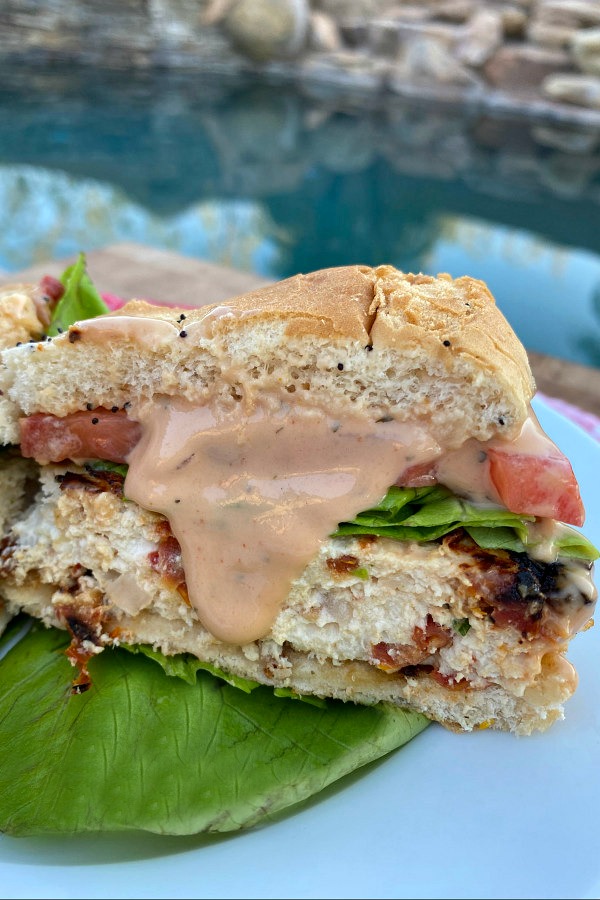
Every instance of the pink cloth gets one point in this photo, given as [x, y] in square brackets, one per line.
[114, 302]
[586, 420]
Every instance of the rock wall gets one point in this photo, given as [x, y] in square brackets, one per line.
[537, 57]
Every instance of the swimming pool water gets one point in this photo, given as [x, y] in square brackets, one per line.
[277, 180]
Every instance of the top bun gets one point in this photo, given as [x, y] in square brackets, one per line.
[435, 351]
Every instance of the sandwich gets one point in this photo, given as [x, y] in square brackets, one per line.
[334, 486]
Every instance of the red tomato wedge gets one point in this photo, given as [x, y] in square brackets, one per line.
[97, 434]
[420, 475]
[52, 288]
[542, 486]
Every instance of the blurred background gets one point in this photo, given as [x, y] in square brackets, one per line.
[278, 137]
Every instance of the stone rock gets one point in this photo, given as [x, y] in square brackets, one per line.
[357, 72]
[553, 14]
[354, 31]
[433, 49]
[384, 37]
[514, 20]
[443, 32]
[570, 12]
[482, 35]
[268, 29]
[412, 12]
[583, 90]
[543, 35]
[585, 47]
[214, 11]
[453, 10]
[430, 60]
[323, 33]
[523, 68]
[352, 8]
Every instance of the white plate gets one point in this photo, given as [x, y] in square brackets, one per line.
[482, 815]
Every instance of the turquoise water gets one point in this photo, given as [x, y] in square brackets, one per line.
[276, 181]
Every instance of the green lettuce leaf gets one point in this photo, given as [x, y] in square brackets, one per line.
[139, 751]
[496, 538]
[428, 513]
[572, 543]
[80, 300]
[186, 666]
[103, 465]
[292, 695]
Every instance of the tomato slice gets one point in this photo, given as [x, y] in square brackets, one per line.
[537, 485]
[52, 288]
[97, 434]
[419, 475]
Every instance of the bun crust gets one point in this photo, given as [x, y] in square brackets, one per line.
[330, 303]
[444, 315]
[385, 308]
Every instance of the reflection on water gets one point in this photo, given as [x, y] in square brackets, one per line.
[273, 180]
[50, 214]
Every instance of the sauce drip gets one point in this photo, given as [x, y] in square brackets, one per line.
[250, 497]
[145, 331]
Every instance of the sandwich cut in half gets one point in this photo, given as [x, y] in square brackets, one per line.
[333, 485]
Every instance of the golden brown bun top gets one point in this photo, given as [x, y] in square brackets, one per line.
[445, 315]
[329, 303]
[384, 307]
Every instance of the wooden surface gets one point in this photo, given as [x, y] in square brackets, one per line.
[132, 270]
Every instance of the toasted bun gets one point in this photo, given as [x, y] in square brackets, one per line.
[431, 350]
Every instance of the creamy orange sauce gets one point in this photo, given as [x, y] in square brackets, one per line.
[149, 333]
[251, 497]
[465, 470]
